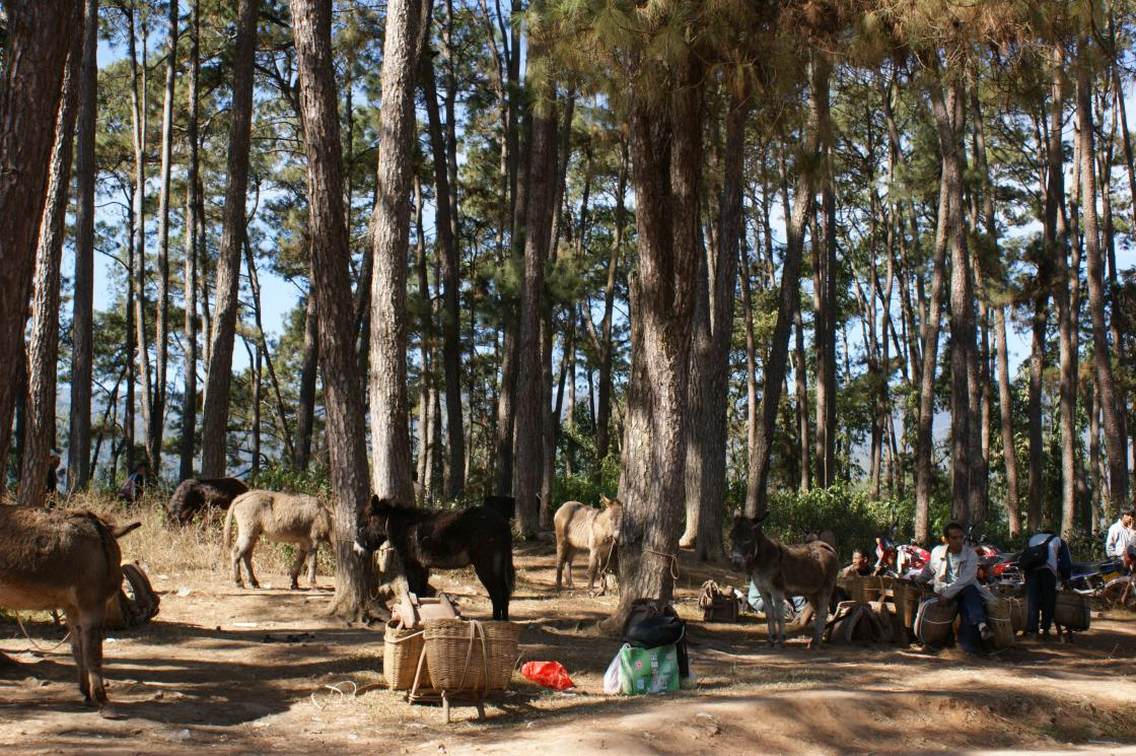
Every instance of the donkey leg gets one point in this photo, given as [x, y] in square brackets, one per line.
[820, 609]
[92, 632]
[770, 617]
[593, 568]
[235, 555]
[491, 573]
[246, 557]
[779, 603]
[312, 553]
[74, 628]
[297, 565]
[561, 559]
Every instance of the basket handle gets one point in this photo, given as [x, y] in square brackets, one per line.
[415, 634]
[418, 671]
[476, 631]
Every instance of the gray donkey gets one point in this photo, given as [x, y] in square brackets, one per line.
[807, 570]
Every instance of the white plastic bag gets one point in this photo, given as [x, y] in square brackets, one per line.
[612, 685]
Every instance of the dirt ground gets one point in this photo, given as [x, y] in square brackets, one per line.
[228, 669]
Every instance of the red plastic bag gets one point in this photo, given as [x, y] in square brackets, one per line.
[550, 674]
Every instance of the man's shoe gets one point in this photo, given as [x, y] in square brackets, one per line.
[985, 632]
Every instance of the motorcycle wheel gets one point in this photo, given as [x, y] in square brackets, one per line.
[1120, 593]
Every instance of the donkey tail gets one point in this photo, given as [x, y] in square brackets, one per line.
[226, 531]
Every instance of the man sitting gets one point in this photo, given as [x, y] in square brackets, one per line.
[1120, 535]
[859, 566]
[954, 569]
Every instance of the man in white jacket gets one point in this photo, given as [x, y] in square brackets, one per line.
[954, 569]
[1120, 536]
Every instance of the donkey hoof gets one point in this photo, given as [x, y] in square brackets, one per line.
[106, 711]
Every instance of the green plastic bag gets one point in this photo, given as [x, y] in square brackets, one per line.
[648, 670]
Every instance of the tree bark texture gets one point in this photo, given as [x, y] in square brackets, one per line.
[1117, 454]
[451, 289]
[392, 474]
[162, 326]
[666, 158]
[43, 347]
[710, 357]
[192, 237]
[306, 411]
[218, 378]
[331, 255]
[139, 102]
[38, 41]
[82, 318]
[531, 411]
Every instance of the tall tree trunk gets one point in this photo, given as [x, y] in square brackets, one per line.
[192, 237]
[825, 274]
[390, 430]
[602, 413]
[1005, 402]
[218, 378]
[510, 349]
[531, 410]
[331, 255]
[38, 41]
[789, 301]
[715, 430]
[43, 348]
[924, 469]
[82, 319]
[451, 290]
[710, 355]
[306, 411]
[1110, 406]
[965, 438]
[162, 328]
[139, 109]
[427, 393]
[666, 152]
[1056, 248]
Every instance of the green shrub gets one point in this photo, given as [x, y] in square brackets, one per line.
[281, 477]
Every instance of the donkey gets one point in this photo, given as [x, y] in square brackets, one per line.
[477, 536]
[69, 561]
[579, 528]
[195, 495]
[807, 570]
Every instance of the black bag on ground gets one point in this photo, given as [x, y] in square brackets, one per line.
[650, 625]
[1035, 556]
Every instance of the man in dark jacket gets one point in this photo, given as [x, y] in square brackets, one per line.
[1041, 580]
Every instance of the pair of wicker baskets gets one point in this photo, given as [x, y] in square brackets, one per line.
[451, 655]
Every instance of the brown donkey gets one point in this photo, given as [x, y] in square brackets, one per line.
[807, 570]
[69, 561]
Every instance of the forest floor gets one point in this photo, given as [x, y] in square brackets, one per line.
[223, 668]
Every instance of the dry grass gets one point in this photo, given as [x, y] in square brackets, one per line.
[166, 548]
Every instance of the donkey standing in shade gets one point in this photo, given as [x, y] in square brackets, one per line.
[807, 570]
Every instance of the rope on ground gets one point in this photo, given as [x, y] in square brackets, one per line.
[36, 646]
[673, 560]
[336, 688]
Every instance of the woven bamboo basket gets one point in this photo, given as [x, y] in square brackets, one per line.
[854, 586]
[907, 596]
[999, 616]
[469, 655]
[402, 648]
[1072, 611]
[1017, 613]
[934, 621]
